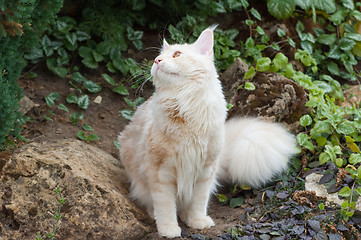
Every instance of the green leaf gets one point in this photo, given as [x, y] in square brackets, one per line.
[108, 79]
[338, 17]
[71, 98]
[249, 86]
[281, 9]
[81, 135]
[345, 192]
[355, 158]
[82, 36]
[92, 86]
[236, 202]
[75, 117]
[280, 61]
[321, 126]
[305, 120]
[90, 63]
[51, 98]
[289, 72]
[34, 55]
[345, 128]
[256, 14]
[305, 141]
[346, 44]
[63, 107]
[324, 158]
[328, 6]
[327, 39]
[249, 22]
[356, 14]
[332, 67]
[121, 90]
[85, 52]
[71, 38]
[339, 162]
[78, 77]
[87, 127]
[263, 64]
[83, 102]
[92, 137]
[222, 198]
[97, 56]
[127, 114]
[250, 73]
[348, 4]
[281, 32]
[353, 36]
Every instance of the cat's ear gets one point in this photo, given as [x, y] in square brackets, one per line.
[204, 43]
[165, 45]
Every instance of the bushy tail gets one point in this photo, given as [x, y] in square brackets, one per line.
[255, 151]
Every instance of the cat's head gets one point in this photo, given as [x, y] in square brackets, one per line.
[180, 64]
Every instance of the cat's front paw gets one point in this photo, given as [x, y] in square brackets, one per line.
[201, 222]
[169, 230]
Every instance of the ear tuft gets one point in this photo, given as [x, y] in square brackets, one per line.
[165, 45]
[204, 43]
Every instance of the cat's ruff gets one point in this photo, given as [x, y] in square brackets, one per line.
[178, 141]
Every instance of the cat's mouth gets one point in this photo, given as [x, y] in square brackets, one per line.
[162, 71]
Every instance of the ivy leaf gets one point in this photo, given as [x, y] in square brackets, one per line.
[345, 192]
[305, 120]
[346, 44]
[355, 158]
[81, 135]
[324, 158]
[353, 36]
[305, 141]
[263, 64]
[63, 107]
[250, 73]
[71, 98]
[348, 4]
[222, 198]
[83, 102]
[87, 127]
[328, 6]
[121, 90]
[281, 32]
[345, 128]
[92, 86]
[281, 9]
[108, 79]
[51, 98]
[236, 202]
[280, 61]
[332, 67]
[249, 86]
[127, 114]
[78, 77]
[327, 39]
[256, 14]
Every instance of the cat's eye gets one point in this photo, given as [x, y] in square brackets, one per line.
[177, 54]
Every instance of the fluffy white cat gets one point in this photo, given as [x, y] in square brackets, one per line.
[178, 142]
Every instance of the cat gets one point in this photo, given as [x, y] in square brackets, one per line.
[178, 141]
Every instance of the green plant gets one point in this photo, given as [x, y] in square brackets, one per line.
[87, 137]
[57, 216]
[21, 26]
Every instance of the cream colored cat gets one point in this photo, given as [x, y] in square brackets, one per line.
[178, 140]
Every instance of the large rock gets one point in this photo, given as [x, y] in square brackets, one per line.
[275, 97]
[93, 184]
[312, 184]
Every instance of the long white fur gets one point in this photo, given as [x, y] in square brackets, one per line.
[246, 151]
[254, 151]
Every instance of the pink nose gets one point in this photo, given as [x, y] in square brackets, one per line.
[158, 60]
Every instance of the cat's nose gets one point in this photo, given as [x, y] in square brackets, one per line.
[158, 60]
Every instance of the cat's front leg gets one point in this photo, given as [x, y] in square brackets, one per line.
[195, 216]
[165, 212]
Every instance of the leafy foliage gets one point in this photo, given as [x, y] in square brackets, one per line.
[21, 25]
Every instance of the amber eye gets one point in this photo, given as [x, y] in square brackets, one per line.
[177, 54]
